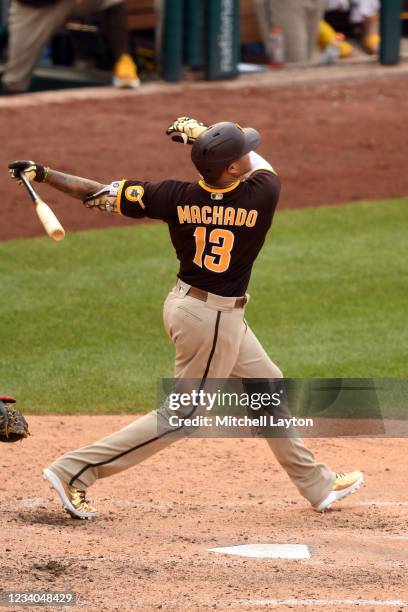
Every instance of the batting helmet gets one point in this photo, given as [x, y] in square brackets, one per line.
[220, 145]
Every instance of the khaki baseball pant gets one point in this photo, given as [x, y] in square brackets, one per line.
[31, 28]
[212, 340]
[299, 20]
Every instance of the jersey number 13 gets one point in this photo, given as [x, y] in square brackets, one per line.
[219, 258]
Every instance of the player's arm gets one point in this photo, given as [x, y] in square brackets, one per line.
[93, 194]
[136, 199]
[264, 184]
[258, 163]
[155, 200]
[132, 198]
[75, 186]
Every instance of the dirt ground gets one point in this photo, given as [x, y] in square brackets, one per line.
[148, 548]
[331, 143]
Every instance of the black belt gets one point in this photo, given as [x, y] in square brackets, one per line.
[199, 294]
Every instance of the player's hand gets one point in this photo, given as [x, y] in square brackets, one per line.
[186, 130]
[32, 170]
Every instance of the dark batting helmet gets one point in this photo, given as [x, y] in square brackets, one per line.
[219, 146]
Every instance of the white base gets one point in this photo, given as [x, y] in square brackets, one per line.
[267, 551]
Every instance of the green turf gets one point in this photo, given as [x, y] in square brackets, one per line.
[81, 321]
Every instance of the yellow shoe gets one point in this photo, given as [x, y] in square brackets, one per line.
[343, 485]
[75, 502]
[326, 35]
[371, 44]
[346, 49]
[125, 73]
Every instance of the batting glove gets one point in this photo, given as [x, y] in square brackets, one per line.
[186, 130]
[105, 198]
[32, 170]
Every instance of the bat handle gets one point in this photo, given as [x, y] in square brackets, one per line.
[27, 183]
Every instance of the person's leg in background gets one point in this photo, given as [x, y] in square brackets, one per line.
[30, 29]
[314, 13]
[115, 32]
[327, 36]
[159, 6]
[114, 28]
[264, 21]
[366, 13]
[289, 16]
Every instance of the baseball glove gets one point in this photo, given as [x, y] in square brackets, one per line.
[186, 130]
[13, 426]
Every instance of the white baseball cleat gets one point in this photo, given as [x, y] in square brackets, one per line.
[344, 484]
[75, 502]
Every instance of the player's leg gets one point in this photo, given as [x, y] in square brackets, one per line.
[207, 342]
[30, 29]
[207, 335]
[313, 480]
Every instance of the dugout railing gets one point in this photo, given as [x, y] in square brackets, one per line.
[208, 34]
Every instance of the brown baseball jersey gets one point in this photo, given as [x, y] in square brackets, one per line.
[217, 233]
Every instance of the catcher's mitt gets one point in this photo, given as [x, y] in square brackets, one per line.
[13, 426]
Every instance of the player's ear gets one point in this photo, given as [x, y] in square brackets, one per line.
[234, 169]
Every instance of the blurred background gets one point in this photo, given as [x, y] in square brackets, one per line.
[53, 44]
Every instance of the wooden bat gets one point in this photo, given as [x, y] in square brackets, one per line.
[50, 222]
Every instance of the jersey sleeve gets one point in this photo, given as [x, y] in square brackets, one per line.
[264, 189]
[140, 199]
[258, 163]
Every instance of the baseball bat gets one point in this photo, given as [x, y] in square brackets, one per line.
[49, 221]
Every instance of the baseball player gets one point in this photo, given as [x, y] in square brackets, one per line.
[217, 225]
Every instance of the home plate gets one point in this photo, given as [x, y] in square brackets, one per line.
[267, 551]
